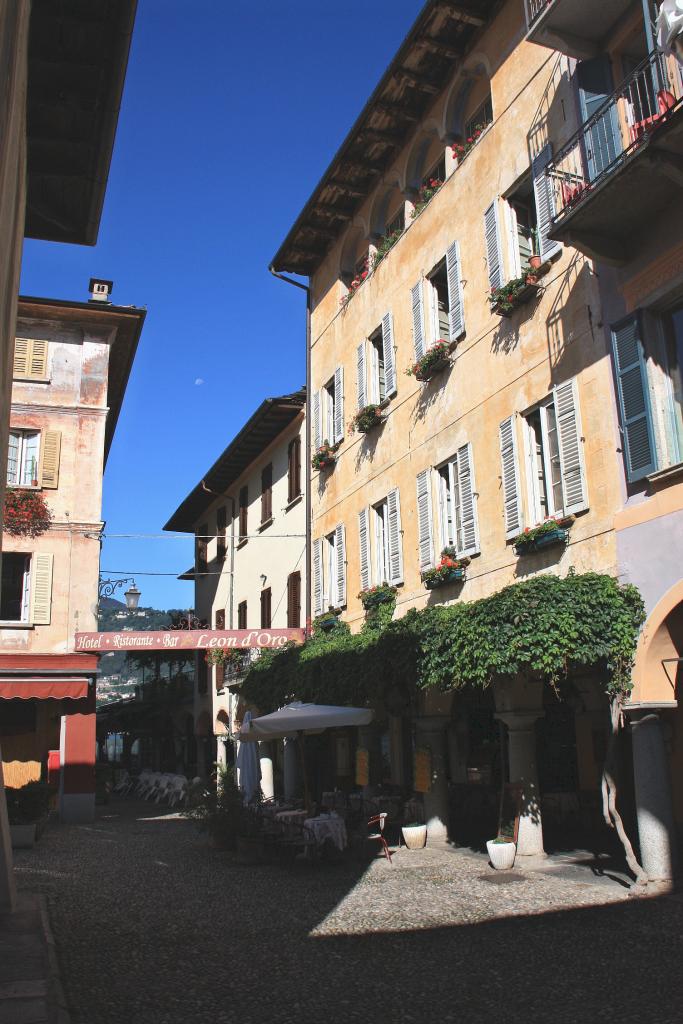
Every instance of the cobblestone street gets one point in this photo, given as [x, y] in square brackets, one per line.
[152, 924]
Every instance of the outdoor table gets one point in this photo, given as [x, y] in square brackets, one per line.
[327, 826]
[291, 819]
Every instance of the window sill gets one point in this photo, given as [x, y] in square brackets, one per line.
[264, 526]
[664, 476]
[32, 380]
[293, 503]
[12, 624]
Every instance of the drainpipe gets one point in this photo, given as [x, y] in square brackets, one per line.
[231, 601]
[305, 288]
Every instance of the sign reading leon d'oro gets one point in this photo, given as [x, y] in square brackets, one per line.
[189, 640]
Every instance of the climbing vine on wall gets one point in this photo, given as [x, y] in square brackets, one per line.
[543, 627]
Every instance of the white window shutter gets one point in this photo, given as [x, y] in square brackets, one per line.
[545, 202]
[510, 475]
[468, 539]
[567, 413]
[418, 320]
[394, 535]
[364, 547]
[456, 309]
[362, 386]
[317, 577]
[317, 439]
[340, 555]
[424, 520]
[338, 404]
[41, 588]
[389, 359]
[494, 256]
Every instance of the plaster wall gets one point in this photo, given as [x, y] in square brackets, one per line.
[499, 368]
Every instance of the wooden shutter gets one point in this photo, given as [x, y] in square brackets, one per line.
[568, 416]
[37, 363]
[456, 309]
[267, 493]
[21, 357]
[49, 458]
[388, 351]
[634, 399]
[394, 538]
[424, 520]
[510, 476]
[221, 526]
[41, 588]
[294, 469]
[494, 256]
[294, 600]
[364, 547]
[220, 618]
[338, 404]
[317, 577]
[266, 608]
[201, 545]
[317, 438]
[545, 202]
[340, 555]
[361, 376]
[244, 508]
[418, 320]
[242, 615]
[468, 532]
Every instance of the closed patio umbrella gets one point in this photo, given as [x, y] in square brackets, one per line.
[248, 765]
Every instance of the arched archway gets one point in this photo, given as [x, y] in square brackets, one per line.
[469, 94]
[657, 673]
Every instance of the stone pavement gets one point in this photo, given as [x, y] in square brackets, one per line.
[30, 989]
[152, 924]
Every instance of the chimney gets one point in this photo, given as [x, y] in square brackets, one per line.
[100, 290]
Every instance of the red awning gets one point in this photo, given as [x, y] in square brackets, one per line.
[26, 687]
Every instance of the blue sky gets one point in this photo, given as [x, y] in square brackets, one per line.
[230, 114]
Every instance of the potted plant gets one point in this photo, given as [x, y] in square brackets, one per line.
[27, 809]
[325, 456]
[450, 569]
[385, 243]
[354, 285]
[461, 149]
[432, 362]
[219, 812]
[514, 293]
[380, 594]
[326, 622]
[26, 512]
[553, 530]
[502, 851]
[366, 419]
[414, 835]
[426, 193]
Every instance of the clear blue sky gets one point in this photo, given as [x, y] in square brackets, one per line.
[231, 112]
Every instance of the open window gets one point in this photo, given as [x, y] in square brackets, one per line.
[437, 171]
[23, 458]
[328, 410]
[380, 536]
[480, 118]
[329, 571]
[522, 226]
[15, 590]
[396, 221]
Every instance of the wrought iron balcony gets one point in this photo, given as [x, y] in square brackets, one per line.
[575, 27]
[623, 167]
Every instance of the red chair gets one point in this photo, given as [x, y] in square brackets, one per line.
[378, 821]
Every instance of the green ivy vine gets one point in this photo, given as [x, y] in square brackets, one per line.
[543, 627]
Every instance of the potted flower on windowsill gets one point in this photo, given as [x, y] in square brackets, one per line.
[432, 362]
[366, 419]
[450, 569]
[426, 193]
[354, 285]
[461, 149]
[553, 530]
[508, 297]
[384, 245]
[380, 594]
[26, 512]
[325, 456]
[326, 622]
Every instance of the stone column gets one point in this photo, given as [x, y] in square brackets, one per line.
[656, 829]
[431, 734]
[266, 759]
[522, 761]
[292, 768]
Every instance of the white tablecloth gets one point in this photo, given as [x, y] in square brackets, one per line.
[328, 826]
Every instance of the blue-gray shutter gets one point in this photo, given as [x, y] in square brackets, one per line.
[418, 320]
[389, 356]
[570, 444]
[634, 399]
[456, 309]
[338, 412]
[545, 203]
[494, 256]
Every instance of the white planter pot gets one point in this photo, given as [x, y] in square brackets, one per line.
[501, 855]
[23, 836]
[415, 836]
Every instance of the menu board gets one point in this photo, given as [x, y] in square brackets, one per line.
[422, 772]
[362, 767]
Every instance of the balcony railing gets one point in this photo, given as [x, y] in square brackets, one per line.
[534, 8]
[620, 126]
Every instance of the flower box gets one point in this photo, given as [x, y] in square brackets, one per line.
[505, 300]
[326, 623]
[377, 595]
[432, 371]
[452, 576]
[432, 362]
[26, 512]
[366, 419]
[325, 456]
[552, 531]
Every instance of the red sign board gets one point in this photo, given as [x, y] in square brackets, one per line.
[189, 640]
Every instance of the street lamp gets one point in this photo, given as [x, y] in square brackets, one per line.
[107, 588]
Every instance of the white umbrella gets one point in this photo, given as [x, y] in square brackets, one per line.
[248, 765]
[670, 27]
[299, 717]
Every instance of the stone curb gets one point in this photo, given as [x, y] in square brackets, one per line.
[57, 1006]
